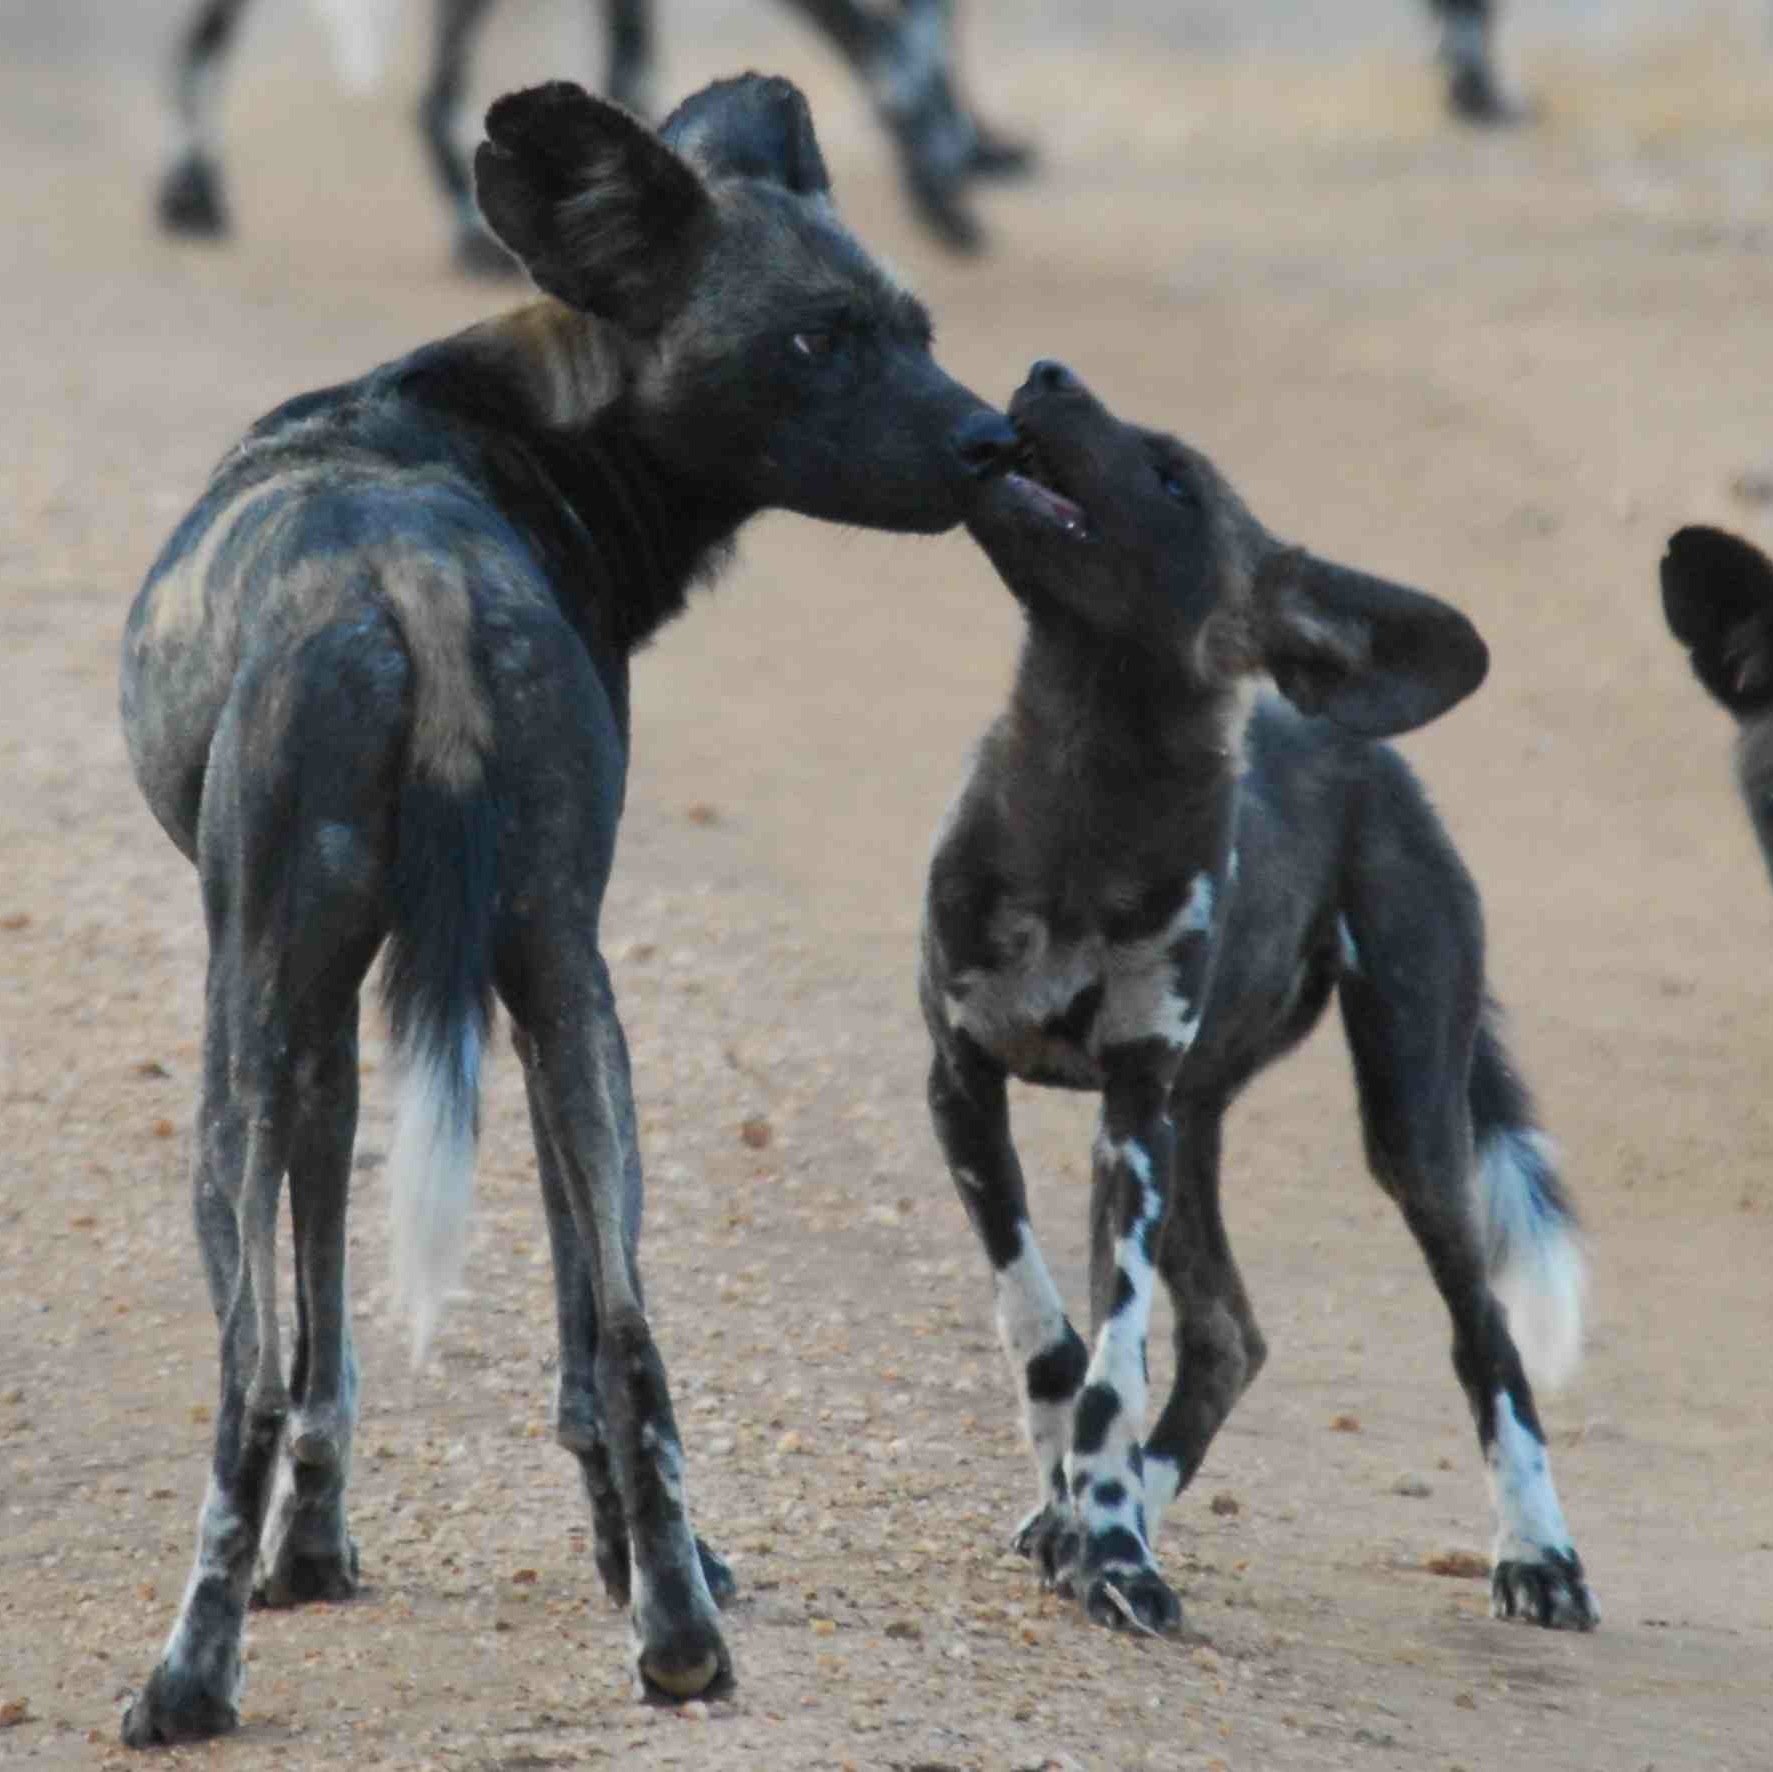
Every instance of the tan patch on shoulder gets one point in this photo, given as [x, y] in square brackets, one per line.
[569, 365]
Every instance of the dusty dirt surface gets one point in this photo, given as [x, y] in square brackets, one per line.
[1503, 368]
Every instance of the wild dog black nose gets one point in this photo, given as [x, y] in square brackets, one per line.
[1050, 377]
[985, 441]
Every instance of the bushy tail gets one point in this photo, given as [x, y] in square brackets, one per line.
[437, 987]
[361, 32]
[1532, 1240]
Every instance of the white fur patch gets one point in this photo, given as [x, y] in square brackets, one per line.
[1031, 1319]
[431, 1183]
[1529, 1520]
[1007, 1008]
[1351, 955]
[1163, 1478]
[1536, 1262]
[1118, 1362]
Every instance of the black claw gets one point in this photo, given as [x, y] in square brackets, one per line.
[1550, 1592]
[1131, 1599]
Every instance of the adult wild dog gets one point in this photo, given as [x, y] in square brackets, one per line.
[376, 688]
[1717, 593]
[1151, 883]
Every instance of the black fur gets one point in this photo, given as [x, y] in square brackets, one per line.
[1150, 888]
[1717, 593]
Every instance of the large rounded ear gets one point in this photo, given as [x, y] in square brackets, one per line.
[755, 126]
[1373, 657]
[1717, 592]
[599, 210]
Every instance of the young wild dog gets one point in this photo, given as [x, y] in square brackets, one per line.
[376, 688]
[1151, 883]
[903, 56]
[1717, 592]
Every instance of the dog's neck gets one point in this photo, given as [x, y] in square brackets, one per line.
[1122, 771]
[549, 383]
[1106, 706]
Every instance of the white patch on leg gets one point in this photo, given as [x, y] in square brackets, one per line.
[1529, 1521]
[1163, 1478]
[219, 1528]
[1031, 1319]
[1118, 1362]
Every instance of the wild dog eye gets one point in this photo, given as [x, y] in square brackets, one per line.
[1182, 491]
[814, 345]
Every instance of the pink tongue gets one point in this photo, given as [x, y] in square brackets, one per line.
[1061, 510]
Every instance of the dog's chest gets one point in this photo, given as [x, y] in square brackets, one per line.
[1062, 994]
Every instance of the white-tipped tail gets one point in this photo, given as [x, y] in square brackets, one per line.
[1535, 1251]
[431, 1181]
[361, 32]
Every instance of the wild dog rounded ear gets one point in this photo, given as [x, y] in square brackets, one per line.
[755, 126]
[599, 210]
[1371, 656]
[1717, 593]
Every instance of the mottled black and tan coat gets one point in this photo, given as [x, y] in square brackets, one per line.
[376, 689]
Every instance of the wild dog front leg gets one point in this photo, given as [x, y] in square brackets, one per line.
[970, 1107]
[1114, 1573]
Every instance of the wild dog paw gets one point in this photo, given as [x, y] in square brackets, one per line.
[1131, 1596]
[684, 1659]
[178, 1704]
[1549, 1590]
[1049, 1539]
[189, 201]
[298, 1575]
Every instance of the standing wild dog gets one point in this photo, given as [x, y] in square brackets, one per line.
[376, 688]
[1149, 887]
[903, 55]
[1717, 592]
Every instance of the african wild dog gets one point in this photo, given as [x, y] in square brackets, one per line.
[903, 56]
[1150, 884]
[376, 688]
[1717, 592]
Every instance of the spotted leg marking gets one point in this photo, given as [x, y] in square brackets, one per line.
[1115, 1575]
[969, 1106]
[1535, 1572]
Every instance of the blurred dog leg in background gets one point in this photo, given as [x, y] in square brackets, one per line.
[903, 56]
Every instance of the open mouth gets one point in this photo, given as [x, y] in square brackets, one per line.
[1028, 478]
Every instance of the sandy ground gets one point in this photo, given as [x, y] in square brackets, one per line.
[1504, 369]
